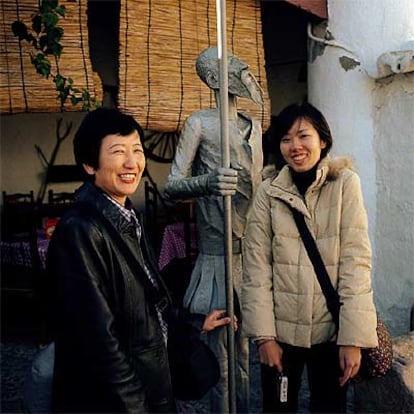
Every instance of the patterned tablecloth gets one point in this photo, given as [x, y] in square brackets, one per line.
[18, 252]
[172, 246]
[173, 243]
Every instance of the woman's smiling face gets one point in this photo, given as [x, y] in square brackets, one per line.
[301, 147]
[121, 164]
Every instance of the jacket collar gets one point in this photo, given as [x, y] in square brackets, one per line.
[283, 188]
[284, 181]
[93, 197]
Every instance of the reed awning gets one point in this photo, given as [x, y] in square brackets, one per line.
[159, 43]
[24, 90]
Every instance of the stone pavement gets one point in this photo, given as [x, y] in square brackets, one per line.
[16, 357]
[393, 393]
[199, 407]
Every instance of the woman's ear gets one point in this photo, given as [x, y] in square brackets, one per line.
[89, 170]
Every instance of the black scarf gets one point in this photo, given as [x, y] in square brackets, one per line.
[303, 180]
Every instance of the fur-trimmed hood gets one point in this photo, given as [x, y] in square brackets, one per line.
[335, 166]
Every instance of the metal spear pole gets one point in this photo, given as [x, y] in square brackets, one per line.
[225, 150]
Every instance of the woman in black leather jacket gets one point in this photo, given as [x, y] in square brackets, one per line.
[106, 299]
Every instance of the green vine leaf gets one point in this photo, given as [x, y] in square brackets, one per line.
[20, 30]
[50, 20]
[47, 39]
[47, 6]
[37, 24]
[60, 82]
[61, 10]
[42, 64]
[75, 100]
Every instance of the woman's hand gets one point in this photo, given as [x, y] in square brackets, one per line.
[350, 362]
[270, 353]
[215, 319]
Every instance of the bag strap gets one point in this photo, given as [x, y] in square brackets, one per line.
[331, 295]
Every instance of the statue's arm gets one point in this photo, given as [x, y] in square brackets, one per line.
[186, 187]
[180, 182]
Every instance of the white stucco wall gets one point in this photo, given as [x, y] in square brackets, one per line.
[21, 168]
[373, 121]
[394, 148]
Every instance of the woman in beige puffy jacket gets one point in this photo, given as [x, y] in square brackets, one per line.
[284, 309]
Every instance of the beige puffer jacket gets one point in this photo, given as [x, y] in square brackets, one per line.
[281, 295]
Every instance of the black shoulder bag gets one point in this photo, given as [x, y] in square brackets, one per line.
[375, 362]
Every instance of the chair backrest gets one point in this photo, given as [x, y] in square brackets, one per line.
[151, 202]
[152, 214]
[18, 215]
[184, 211]
[50, 213]
[18, 198]
[60, 197]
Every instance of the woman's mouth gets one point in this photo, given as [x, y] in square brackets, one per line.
[127, 178]
[299, 158]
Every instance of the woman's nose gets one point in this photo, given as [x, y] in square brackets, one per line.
[130, 160]
[295, 143]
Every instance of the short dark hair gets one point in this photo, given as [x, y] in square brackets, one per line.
[281, 124]
[95, 127]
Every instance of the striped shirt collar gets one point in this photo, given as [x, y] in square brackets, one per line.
[127, 212]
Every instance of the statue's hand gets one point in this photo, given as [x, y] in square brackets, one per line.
[222, 181]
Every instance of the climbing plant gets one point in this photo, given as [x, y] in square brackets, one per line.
[45, 36]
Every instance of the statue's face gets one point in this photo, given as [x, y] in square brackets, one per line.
[242, 82]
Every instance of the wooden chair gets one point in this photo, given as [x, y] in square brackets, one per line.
[18, 198]
[177, 273]
[151, 214]
[17, 215]
[20, 280]
[184, 211]
[57, 205]
[151, 202]
[61, 197]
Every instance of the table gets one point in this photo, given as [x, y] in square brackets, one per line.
[173, 243]
[172, 246]
[18, 252]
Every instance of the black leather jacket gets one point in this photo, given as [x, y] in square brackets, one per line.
[110, 355]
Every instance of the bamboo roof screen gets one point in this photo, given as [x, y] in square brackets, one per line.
[24, 90]
[159, 44]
